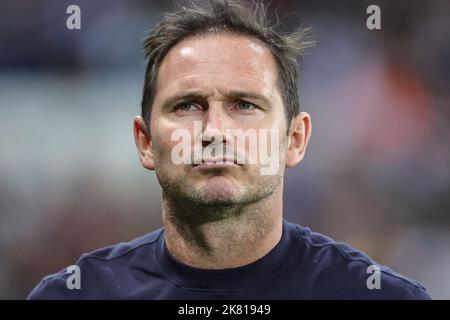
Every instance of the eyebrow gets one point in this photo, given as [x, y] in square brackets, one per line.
[196, 95]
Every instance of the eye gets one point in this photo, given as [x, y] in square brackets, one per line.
[186, 106]
[246, 106]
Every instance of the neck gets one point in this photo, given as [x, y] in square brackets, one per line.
[239, 235]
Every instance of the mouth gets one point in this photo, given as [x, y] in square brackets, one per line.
[216, 163]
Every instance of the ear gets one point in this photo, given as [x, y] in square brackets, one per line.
[143, 143]
[298, 138]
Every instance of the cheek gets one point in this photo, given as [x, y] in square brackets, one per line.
[162, 150]
[163, 144]
[284, 143]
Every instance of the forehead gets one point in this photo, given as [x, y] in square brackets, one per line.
[225, 59]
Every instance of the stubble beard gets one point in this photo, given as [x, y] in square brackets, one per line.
[217, 199]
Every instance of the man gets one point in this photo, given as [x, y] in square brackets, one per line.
[213, 75]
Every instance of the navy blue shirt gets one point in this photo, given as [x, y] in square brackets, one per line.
[303, 265]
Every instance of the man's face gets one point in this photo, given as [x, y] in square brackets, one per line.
[229, 82]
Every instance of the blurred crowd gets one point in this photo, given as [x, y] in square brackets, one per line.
[376, 174]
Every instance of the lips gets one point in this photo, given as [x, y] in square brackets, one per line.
[215, 161]
[224, 160]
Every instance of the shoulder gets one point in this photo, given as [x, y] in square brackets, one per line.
[95, 266]
[341, 271]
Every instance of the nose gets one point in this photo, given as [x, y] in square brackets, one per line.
[214, 126]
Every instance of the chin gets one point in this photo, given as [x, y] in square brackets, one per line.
[219, 190]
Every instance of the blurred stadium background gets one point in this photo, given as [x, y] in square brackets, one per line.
[376, 174]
